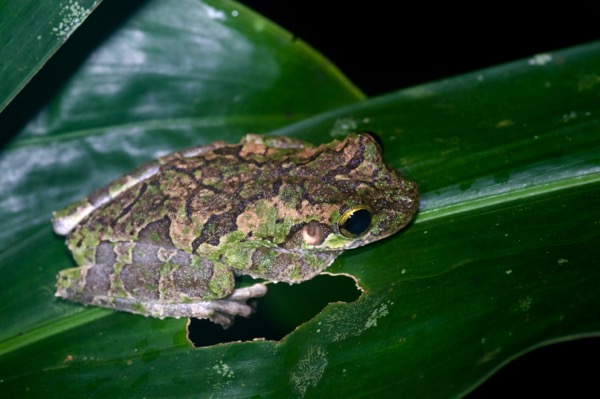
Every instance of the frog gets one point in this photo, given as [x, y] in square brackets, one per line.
[170, 238]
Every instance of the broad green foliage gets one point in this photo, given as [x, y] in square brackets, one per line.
[502, 257]
[31, 32]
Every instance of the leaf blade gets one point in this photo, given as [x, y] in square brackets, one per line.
[32, 33]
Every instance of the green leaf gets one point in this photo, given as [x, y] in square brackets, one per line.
[31, 33]
[502, 257]
[178, 73]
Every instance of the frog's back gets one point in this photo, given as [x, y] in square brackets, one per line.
[198, 199]
[255, 191]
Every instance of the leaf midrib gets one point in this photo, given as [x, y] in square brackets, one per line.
[476, 204]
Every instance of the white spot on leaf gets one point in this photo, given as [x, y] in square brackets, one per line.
[223, 370]
[348, 321]
[215, 14]
[309, 369]
[569, 117]
[376, 314]
[540, 59]
[525, 303]
[343, 126]
[72, 14]
[220, 375]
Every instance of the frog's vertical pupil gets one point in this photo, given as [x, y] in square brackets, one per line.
[355, 222]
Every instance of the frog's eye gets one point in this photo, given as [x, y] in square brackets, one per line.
[355, 222]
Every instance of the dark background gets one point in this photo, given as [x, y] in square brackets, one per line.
[383, 46]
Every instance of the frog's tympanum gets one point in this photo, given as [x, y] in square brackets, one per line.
[168, 239]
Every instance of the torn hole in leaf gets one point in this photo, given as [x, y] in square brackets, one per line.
[278, 313]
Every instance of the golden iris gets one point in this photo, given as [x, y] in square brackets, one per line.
[355, 222]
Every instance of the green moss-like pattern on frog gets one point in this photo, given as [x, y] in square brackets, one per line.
[168, 239]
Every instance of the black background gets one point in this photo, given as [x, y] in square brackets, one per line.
[383, 46]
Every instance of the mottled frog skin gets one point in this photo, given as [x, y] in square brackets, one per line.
[168, 239]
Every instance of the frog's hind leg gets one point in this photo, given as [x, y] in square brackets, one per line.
[79, 284]
[159, 282]
[220, 311]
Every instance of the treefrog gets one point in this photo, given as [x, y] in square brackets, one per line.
[168, 239]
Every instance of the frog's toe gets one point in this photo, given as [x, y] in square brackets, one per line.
[224, 310]
[253, 291]
[224, 320]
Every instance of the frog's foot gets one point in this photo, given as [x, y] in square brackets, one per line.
[223, 311]
[220, 311]
[183, 295]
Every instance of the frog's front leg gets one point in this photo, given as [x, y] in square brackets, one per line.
[158, 282]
